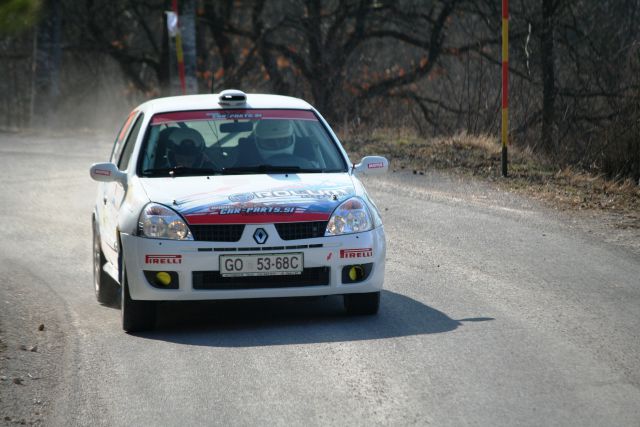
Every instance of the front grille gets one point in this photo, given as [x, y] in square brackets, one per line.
[217, 232]
[261, 248]
[314, 276]
[301, 230]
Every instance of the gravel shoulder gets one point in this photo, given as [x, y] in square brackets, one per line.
[619, 229]
[607, 208]
[33, 346]
[38, 332]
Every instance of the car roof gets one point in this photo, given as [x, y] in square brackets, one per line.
[210, 102]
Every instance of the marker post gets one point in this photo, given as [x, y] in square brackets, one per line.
[179, 53]
[505, 84]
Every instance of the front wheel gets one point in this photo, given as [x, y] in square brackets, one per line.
[138, 315]
[362, 304]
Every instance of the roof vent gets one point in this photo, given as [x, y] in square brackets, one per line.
[232, 97]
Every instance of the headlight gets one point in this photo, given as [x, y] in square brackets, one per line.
[352, 216]
[160, 222]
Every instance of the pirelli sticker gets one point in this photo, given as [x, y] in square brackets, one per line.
[163, 259]
[356, 253]
[376, 165]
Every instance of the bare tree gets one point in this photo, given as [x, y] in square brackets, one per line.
[547, 61]
[329, 46]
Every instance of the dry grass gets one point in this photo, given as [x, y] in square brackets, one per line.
[566, 189]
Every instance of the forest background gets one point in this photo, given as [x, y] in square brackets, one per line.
[426, 68]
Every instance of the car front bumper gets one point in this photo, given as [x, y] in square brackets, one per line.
[328, 254]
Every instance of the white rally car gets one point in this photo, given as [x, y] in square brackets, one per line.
[233, 196]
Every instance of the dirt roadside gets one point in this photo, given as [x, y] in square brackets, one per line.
[606, 209]
[32, 349]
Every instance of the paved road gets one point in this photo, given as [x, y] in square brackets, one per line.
[495, 313]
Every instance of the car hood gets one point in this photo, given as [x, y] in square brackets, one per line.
[252, 199]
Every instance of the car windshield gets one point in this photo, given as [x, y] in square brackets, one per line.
[238, 142]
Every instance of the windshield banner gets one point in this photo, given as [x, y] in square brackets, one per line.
[208, 115]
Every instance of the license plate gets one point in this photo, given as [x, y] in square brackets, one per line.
[261, 264]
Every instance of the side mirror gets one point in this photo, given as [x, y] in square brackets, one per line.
[107, 172]
[372, 165]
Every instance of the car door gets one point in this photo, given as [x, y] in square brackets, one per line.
[114, 192]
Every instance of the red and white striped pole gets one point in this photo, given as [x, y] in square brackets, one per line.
[505, 83]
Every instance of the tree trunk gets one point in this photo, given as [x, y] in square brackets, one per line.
[163, 71]
[48, 55]
[548, 77]
[188, 30]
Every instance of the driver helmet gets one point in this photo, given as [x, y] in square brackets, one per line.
[274, 137]
[187, 145]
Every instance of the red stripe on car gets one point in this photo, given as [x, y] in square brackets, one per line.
[204, 219]
[219, 115]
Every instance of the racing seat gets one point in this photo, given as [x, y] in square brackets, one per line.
[160, 158]
[248, 154]
[304, 149]
[181, 136]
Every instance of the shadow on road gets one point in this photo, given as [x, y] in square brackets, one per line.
[252, 323]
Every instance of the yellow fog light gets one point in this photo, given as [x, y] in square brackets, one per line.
[164, 278]
[356, 273]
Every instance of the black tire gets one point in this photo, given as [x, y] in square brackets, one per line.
[362, 304]
[137, 316]
[105, 287]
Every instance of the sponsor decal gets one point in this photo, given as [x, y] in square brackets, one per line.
[376, 165]
[322, 193]
[231, 210]
[102, 172]
[210, 115]
[307, 193]
[356, 253]
[280, 204]
[241, 197]
[163, 259]
[223, 115]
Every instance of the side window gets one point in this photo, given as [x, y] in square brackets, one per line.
[117, 146]
[123, 163]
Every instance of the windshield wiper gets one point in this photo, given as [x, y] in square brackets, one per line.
[266, 169]
[179, 170]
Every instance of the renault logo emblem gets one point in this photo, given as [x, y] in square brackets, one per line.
[260, 236]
